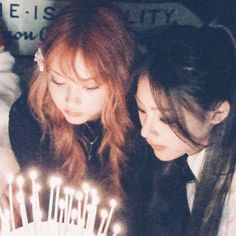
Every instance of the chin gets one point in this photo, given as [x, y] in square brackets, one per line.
[75, 121]
[165, 157]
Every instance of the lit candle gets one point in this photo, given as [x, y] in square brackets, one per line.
[10, 195]
[116, 230]
[71, 195]
[79, 197]
[58, 183]
[89, 210]
[73, 216]
[86, 189]
[52, 186]
[66, 192]
[2, 221]
[33, 176]
[37, 203]
[104, 215]
[20, 182]
[21, 201]
[62, 207]
[113, 204]
[95, 202]
[1, 214]
[6, 221]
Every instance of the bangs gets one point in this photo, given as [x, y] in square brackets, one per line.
[172, 113]
[64, 56]
[163, 101]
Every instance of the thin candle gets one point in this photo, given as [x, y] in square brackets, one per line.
[38, 210]
[86, 189]
[3, 223]
[20, 182]
[113, 204]
[52, 186]
[71, 195]
[7, 220]
[1, 214]
[73, 215]
[33, 176]
[21, 201]
[66, 191]
[79, 197]
[89, 215]
[104, 215]
[10, 195]
[95, 202]
[58, 183]
[62, 207]
[116, 230]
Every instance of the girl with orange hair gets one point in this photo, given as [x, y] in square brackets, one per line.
[74, 118]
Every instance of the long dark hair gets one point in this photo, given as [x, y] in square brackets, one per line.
[195, 68]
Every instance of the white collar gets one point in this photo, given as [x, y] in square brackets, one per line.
[196, 161]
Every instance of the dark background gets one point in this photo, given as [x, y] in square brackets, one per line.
[221, 12]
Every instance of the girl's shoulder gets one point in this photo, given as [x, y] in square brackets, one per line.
[24, 132]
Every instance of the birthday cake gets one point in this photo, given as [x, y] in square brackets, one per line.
[70, 212]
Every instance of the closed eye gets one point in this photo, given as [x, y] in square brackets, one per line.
[141, 110]
[168, 121]
[92, 88]
[56, 81]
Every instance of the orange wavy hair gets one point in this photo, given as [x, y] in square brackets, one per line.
[96, 30]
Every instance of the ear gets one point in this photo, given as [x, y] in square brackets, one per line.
[220, 113]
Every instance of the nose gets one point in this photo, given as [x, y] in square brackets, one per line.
[73, 97]
[147, 127]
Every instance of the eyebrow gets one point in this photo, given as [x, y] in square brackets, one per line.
[139, 101]
[81, 79]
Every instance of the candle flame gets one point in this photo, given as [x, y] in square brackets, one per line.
[113, 203]
[79, 195]
[104, 213]
[116, 228]
[86, 187]
[20, 181]
[10, 178]
[33, 174]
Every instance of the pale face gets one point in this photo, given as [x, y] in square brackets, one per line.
[164, 142]
[79, 101]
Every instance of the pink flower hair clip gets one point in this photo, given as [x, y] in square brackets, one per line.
[38, 57]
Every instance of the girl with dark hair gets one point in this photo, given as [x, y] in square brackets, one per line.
[74, 118]
[186, 97]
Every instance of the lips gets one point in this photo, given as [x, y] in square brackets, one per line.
[72, 113]
[155, 146]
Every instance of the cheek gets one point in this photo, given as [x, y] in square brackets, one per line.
[56, 95]
[175, 142]
[102, 98]
[141, 118]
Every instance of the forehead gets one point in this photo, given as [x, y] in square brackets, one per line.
[144, 94]
[81, 67]
[152, 98]
[73, 67]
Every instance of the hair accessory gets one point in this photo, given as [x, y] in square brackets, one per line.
[38, 57]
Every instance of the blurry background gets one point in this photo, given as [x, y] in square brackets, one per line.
[24, 23]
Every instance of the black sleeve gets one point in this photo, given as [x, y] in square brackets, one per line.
[24, 133]
[137, 183]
